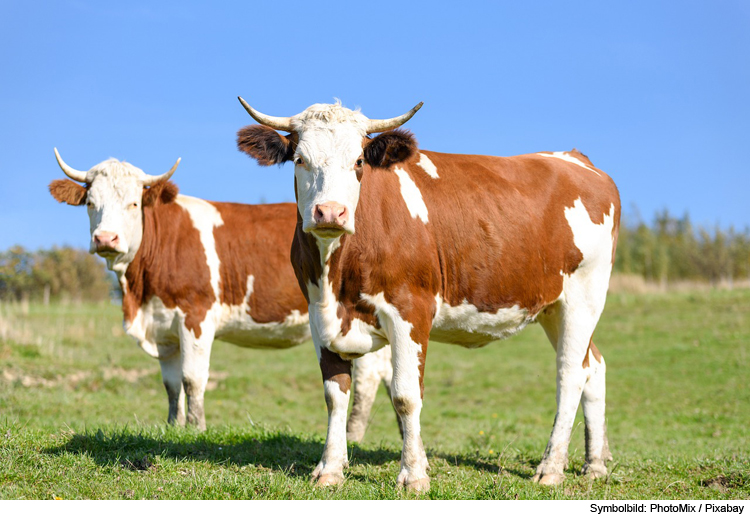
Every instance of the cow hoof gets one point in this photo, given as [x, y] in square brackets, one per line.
[418, 486]
[595, 469]
[548, 479]
[329, 479]
[413, 482]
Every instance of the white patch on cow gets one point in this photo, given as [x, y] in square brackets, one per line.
[326, 247]
[205, 218]
[465, 325]
[428, 166]
[593, 240]
[235, 324]
[570, 159]
[361, 338]
[153, 323]
[412, 196]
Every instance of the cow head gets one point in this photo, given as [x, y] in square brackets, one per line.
[331, 150]
[114, 193]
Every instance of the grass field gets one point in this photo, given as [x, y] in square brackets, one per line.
[82, 413]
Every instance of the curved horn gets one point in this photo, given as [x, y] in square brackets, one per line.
[151, 180]
[277, 123]
[381, 125]
[70, 172]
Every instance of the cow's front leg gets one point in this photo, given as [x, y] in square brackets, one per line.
[409, 335]
[337, 382]
[196, 357]
[171, 374]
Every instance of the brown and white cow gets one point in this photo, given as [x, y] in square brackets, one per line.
[457, 248]
[192, 271]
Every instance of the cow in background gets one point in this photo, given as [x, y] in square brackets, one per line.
[192, 271]
[398, 246]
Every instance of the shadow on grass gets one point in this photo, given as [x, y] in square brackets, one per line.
[276, 451]
[273, 450]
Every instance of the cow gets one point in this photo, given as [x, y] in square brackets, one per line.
[396, 246]
[192, 271]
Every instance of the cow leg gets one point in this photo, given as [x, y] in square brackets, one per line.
[336, 384]
[171, 374]
[367, 373]
[196, 356]
[569, 328]
[409, 351]
[387, 375]
[593, 402]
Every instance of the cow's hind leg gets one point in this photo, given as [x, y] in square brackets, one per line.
[196, 357]
[569, 328]
[367, 372]
[171, 374]
[593, 401]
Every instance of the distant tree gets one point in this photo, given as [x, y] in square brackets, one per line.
[65, 273]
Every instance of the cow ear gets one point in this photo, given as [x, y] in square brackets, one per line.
[162, 192]
[389, 148]
[69, 192]
[266, 145]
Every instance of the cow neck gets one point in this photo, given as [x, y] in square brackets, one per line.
[132, 275]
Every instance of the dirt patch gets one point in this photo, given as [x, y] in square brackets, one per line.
[129, 375]
[724, 483]
[74, 379]
[214, 378]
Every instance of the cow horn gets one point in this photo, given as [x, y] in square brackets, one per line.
[151, 180]
[277, 123]
[70, 172]
[381, 125]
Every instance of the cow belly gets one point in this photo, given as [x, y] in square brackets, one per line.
[465, 325]
[234, 325]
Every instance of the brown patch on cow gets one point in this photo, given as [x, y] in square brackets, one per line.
[254, 240]
[595, 351]
[336, 369]
[170, 264]
[162, 192]
[389, 148]
[265, 145]
[592, 350]
[67, 191]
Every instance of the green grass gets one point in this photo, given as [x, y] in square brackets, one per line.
[82, 413]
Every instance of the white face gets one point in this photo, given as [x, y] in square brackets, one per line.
[328, 165]
[114, 202]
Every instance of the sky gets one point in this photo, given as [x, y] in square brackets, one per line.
[656, 93]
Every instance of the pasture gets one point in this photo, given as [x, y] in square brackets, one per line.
[83, 410]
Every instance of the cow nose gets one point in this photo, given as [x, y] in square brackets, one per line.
[106, 241]
[331, 214]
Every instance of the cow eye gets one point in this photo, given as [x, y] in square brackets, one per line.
[134, 205]
[360, 163]
[299, 161]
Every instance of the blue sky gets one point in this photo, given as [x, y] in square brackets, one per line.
[655, 93]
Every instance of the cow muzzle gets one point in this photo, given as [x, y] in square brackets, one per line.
[107, 243]
[330, 219]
